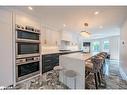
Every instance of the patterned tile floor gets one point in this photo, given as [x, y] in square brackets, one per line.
[112, 79]
[48, 80]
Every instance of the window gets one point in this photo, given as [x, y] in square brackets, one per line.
[106, 46]
[96, 46]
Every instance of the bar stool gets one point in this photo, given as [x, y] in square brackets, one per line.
[71, 74]
[102, 61]
[56, 71]
[96, 70]
[103, 56]
[58, 68]
[101, 70]
[95, 66]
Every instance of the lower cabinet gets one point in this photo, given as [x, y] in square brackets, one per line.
[49, 61]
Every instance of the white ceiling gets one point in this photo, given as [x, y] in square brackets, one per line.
[111, 18]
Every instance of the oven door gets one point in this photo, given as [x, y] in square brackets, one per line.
[25, 49]
[27, 35]
[27, 70]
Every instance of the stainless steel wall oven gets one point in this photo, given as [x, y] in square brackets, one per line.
[27, 41]
[27, 67]
[27, 52]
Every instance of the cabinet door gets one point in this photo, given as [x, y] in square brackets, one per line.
[56, 38]
[43, 36]
[66, 36]
[6, 48]
[52, 37]
[49, 37]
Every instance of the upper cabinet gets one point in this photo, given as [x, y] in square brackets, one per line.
[66, 36]
[72, 37]
[56, 37]
[50, 37]
[27, 20]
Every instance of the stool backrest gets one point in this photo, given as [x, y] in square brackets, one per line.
[97, 63]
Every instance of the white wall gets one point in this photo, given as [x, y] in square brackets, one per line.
[114, 45]
[6, 48]
[123, 47]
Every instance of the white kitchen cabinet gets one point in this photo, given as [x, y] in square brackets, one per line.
[24, 19]
[69, 40]
[52, 37]
[65, 35]
[49, 37]
[56, 37]
[72, 37]
[43, 35]
[6, 49]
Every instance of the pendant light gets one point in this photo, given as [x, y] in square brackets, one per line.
[85, 33]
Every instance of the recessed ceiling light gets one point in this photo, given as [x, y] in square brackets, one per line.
[96, 12]
[64, 25]
[100, 26]
[30, 8]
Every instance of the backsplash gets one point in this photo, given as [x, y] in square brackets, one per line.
[49, 49]
[46, 49]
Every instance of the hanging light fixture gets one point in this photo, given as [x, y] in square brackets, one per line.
[85, 33]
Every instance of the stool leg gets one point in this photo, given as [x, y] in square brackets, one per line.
[101, 73]
[99, 79]
[96, 84]
[75, 83]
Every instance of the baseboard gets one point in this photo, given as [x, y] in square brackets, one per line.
[123, 74]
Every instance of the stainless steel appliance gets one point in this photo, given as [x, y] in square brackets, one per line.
[25, 49]
[27, 41]
[27, 52]
[27, 67]
[86, 47]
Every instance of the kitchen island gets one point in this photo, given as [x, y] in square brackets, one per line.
[51, 59]
[75, 62]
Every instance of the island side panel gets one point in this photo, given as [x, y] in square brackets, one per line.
[76, 65]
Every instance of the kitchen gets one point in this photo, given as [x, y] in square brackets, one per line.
[42, 47]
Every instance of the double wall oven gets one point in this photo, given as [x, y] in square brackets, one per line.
[27, 52]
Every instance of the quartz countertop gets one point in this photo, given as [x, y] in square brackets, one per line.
[79, 55]
[49, 52]
[58, 52]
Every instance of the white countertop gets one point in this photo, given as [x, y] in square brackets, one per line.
[49, 52]
[52, 52]
[79, 56]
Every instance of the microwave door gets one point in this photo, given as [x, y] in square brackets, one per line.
[27, 48]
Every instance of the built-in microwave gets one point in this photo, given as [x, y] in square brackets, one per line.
[27, 33]
[27, 41]
[25, 49]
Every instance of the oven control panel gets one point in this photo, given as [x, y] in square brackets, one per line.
[27, 59]
[27, 28]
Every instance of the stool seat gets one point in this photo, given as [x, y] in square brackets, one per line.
[58, 68]
[70, 73]
[88, 66]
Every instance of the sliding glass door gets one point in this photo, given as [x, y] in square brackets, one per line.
[106, 45]
[96, 46]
